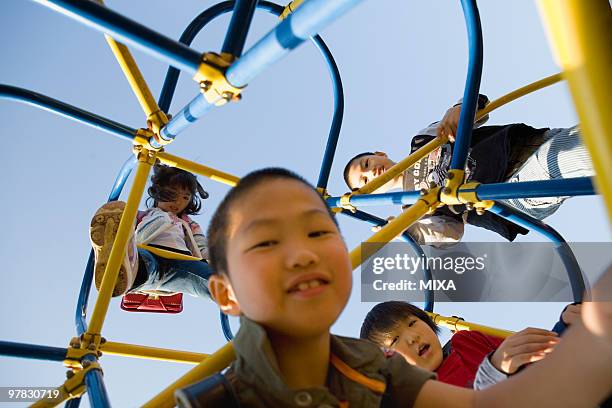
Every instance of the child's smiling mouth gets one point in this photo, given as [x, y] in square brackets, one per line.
[308, 285]
[423, 349]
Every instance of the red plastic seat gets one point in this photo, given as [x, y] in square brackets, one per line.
[153, 302]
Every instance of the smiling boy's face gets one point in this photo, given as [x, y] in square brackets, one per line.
[417, 343]
[288, 266]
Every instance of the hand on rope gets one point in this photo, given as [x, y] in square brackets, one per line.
[524, 347]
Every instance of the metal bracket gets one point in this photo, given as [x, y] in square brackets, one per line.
[345, 202]
[213, 83]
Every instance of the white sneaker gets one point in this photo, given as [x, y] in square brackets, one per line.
[104, 226]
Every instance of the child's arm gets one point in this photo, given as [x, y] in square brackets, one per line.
[527, 346]
[448, 124]
[577, 374]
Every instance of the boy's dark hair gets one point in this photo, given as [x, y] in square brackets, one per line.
[217, 228]
[386, 316]
[166, 177]
[348, 167]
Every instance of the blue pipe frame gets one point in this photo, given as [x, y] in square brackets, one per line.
[379, 222]
[199, 105]
[578, 186]
[68, 111]
[472, 86]
[129, 32]
[566, 255]
[239, 27]
[32, 351]
[285, 37]
[81, 308]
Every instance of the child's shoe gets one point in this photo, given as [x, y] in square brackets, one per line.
[104, 226]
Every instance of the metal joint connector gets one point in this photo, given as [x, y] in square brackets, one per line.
[345, 202]
[449, 194]
[156, 121]
[213, 83]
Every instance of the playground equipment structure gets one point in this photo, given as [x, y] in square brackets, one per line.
[581, 48]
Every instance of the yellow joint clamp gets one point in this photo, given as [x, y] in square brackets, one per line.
[143, 136]
[74, 386]
[471, 200]
[345, 202]
[156, 121]
[213, 83]
[449, 194]
[146, 155]
[74, 357]
[431, 198]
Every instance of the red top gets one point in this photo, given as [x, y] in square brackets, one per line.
[468, 350]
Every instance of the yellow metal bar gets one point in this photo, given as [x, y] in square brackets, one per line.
[395, 227]
[527, 89]
[290, 8]
[215, 363]
[457, 324]
[152, 353]
[401, 166]
[155, 117]
[197, 168]
[115, 259]
[580, 33]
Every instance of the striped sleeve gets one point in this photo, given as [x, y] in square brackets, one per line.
[152, 224]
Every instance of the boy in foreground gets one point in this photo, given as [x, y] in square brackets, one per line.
[281, 264]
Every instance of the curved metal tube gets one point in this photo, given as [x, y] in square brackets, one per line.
[372, 219]
[81, 309]
[213, 12]
[225, 326]
[239, 27]
[128, 31]
[68, 111]
[565, 252]
[472, 86]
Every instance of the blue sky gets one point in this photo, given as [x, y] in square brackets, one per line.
[402, 63]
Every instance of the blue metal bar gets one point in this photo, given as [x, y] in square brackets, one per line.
[239, 27]
[192, 112]
[33, 351]
[225, 326]
[396, 198]
[128, 31]
[472, 87]
[311, 17]
[98, 398]
[73, 403]
[122, 177]
[578, 186]
[334, 131]
[376, 221]
[81, 309]
[68, 111]
[563, 249]
[198, 106]
[198, 23]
